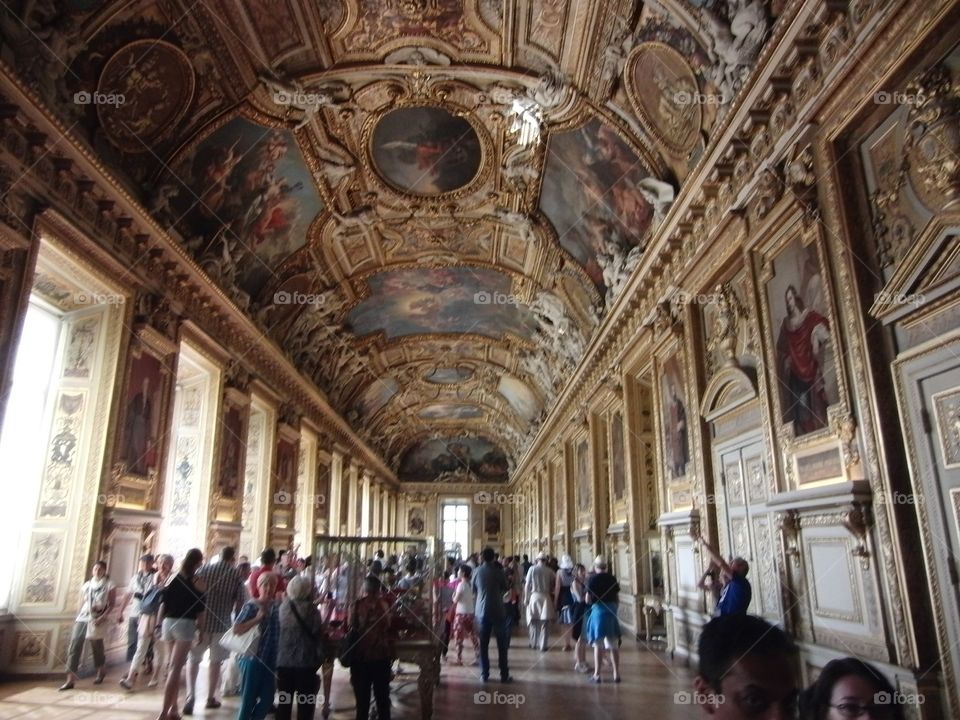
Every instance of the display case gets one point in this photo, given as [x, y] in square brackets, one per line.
[341, 564]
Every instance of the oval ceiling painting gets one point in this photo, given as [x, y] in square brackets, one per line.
[425, 151]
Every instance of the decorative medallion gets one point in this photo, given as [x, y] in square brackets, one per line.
[144, 91]
[425, 151]
[664, 93]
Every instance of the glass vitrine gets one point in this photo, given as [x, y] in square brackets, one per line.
[411, 572]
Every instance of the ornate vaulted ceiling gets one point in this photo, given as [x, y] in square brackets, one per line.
[427, 204]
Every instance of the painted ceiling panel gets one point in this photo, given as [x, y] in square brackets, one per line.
[418, 301]
[428, 205]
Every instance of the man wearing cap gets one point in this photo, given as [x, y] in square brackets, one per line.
[136, 589]
[538, 591]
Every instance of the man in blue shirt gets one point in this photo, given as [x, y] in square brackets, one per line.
[489, 584]
[736, 593]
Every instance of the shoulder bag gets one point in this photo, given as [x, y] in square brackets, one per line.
[242, 645]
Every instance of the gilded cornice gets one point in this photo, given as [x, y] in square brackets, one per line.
[109, 213]
[778, 100]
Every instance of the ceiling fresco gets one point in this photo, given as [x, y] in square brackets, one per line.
[456, 459]
[601, 199]
[429, 206]
[425, 150]
[417, 301]
[243, 200]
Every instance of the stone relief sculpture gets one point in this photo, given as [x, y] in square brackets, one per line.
[659, 194]
[615, 57]
[310, 101]
[722, 343]
[417, 56]
[561, 335]
[520, 223]
[734, 41]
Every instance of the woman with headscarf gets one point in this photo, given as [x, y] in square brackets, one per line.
[304, 649]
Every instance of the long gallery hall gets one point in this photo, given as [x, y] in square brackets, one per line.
[461, 359]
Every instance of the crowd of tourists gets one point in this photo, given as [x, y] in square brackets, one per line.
[271, 633]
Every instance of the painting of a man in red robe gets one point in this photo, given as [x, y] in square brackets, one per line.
[804, 336]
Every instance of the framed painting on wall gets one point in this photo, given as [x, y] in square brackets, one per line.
[582, 459]
[805, 366]
[491, 522]
[415, 522]
[618, 459]
[285, 473]
[673, 404]
[232, 449]
[143, 424]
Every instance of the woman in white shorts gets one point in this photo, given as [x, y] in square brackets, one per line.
[182, 605]
[148, 630]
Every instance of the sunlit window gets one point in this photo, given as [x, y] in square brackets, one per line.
[25, 430]
[456, 528]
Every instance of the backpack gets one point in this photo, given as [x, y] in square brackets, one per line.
[150, 605]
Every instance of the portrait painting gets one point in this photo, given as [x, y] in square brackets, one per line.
[454, 459]
[599, 196]
[805, 369]
[583, 476]
[676, 436]
[286, 466]
[520, 397]
[425, 151]
[559, 490]
[232, 450]
[415, 524]
[141, 431]
[618, 457]
[245, 200]
[451, 411]
[491, 521]
[416, 301]
[322, 492]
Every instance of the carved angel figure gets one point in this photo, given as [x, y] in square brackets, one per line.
[735, 41]
[310, 101]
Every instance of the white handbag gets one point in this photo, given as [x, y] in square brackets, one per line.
[241, 644]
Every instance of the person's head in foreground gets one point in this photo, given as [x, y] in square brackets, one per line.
[850, 688]
[267, 586]
[748, 669]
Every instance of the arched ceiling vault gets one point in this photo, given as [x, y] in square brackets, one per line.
[427, 204]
